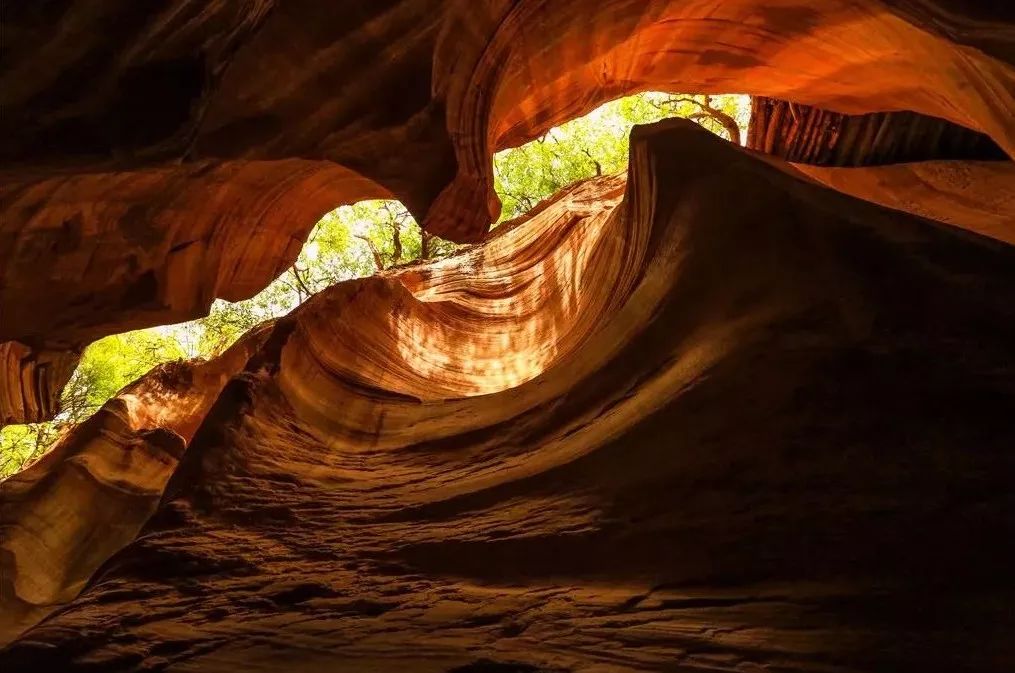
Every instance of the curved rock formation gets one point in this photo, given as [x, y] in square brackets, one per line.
[31, 381]
[785, 445]
[809, 135]
[485, 321]
[411, 96]
[66, 514]
[481, 322]
[920, 165]
[161, 244]
[717, 416]
[155, 246]
[979, 196]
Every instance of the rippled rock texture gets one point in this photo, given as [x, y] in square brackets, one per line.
[156, 158]
[713, 416]
[785, 443]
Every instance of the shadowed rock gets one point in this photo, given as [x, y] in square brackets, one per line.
[785, 445]
[716, 416]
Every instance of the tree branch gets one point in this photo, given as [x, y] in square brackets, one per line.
[302, 285]
[599, 166]
[424, 244]
[728, 123]
[378, 260]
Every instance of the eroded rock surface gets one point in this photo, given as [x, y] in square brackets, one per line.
[979, 196]
[784, 446]
[160, 158]
[65, 515]
[809, 135]
[715, 416]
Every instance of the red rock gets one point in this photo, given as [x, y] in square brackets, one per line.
[785, 443]
[737, 420]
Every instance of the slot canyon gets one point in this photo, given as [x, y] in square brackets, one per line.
[744, 408]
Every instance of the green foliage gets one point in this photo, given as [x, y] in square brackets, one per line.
[595, 144]
[356, 241]
[111, 363]
[106, 366]
[349, 242]
[21, 444]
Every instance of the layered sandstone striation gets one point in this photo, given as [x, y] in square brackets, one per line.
[978, 196]
[32, 380]
[789, 402]
[917, 164]
[720, 414]
[165, 157]
[809, 135]
[65, 515]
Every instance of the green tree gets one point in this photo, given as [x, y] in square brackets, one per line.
[597, 144]
[349, 242]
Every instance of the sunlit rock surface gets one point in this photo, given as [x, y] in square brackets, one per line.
[979, 196]
[156, 159]
[66, 514]
[30, 381]
[917, 164]
[724, 415]
[785, 444]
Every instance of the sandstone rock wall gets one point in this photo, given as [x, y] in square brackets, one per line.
[718, 416]
[786, 445]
